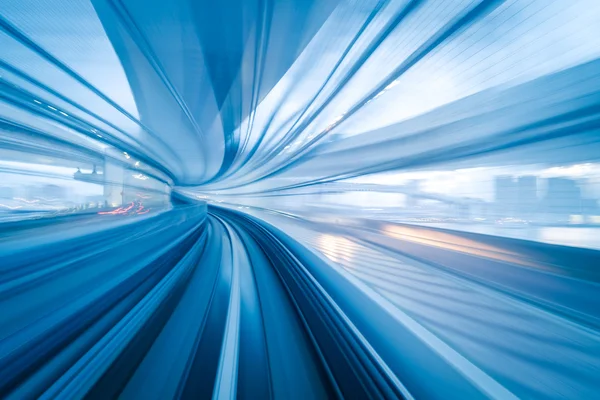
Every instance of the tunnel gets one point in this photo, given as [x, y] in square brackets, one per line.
[299, 199]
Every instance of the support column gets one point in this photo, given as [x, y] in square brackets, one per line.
[113, 184]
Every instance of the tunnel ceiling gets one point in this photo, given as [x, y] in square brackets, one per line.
[248, 96]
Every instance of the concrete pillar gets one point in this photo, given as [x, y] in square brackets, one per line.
[113, 184]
